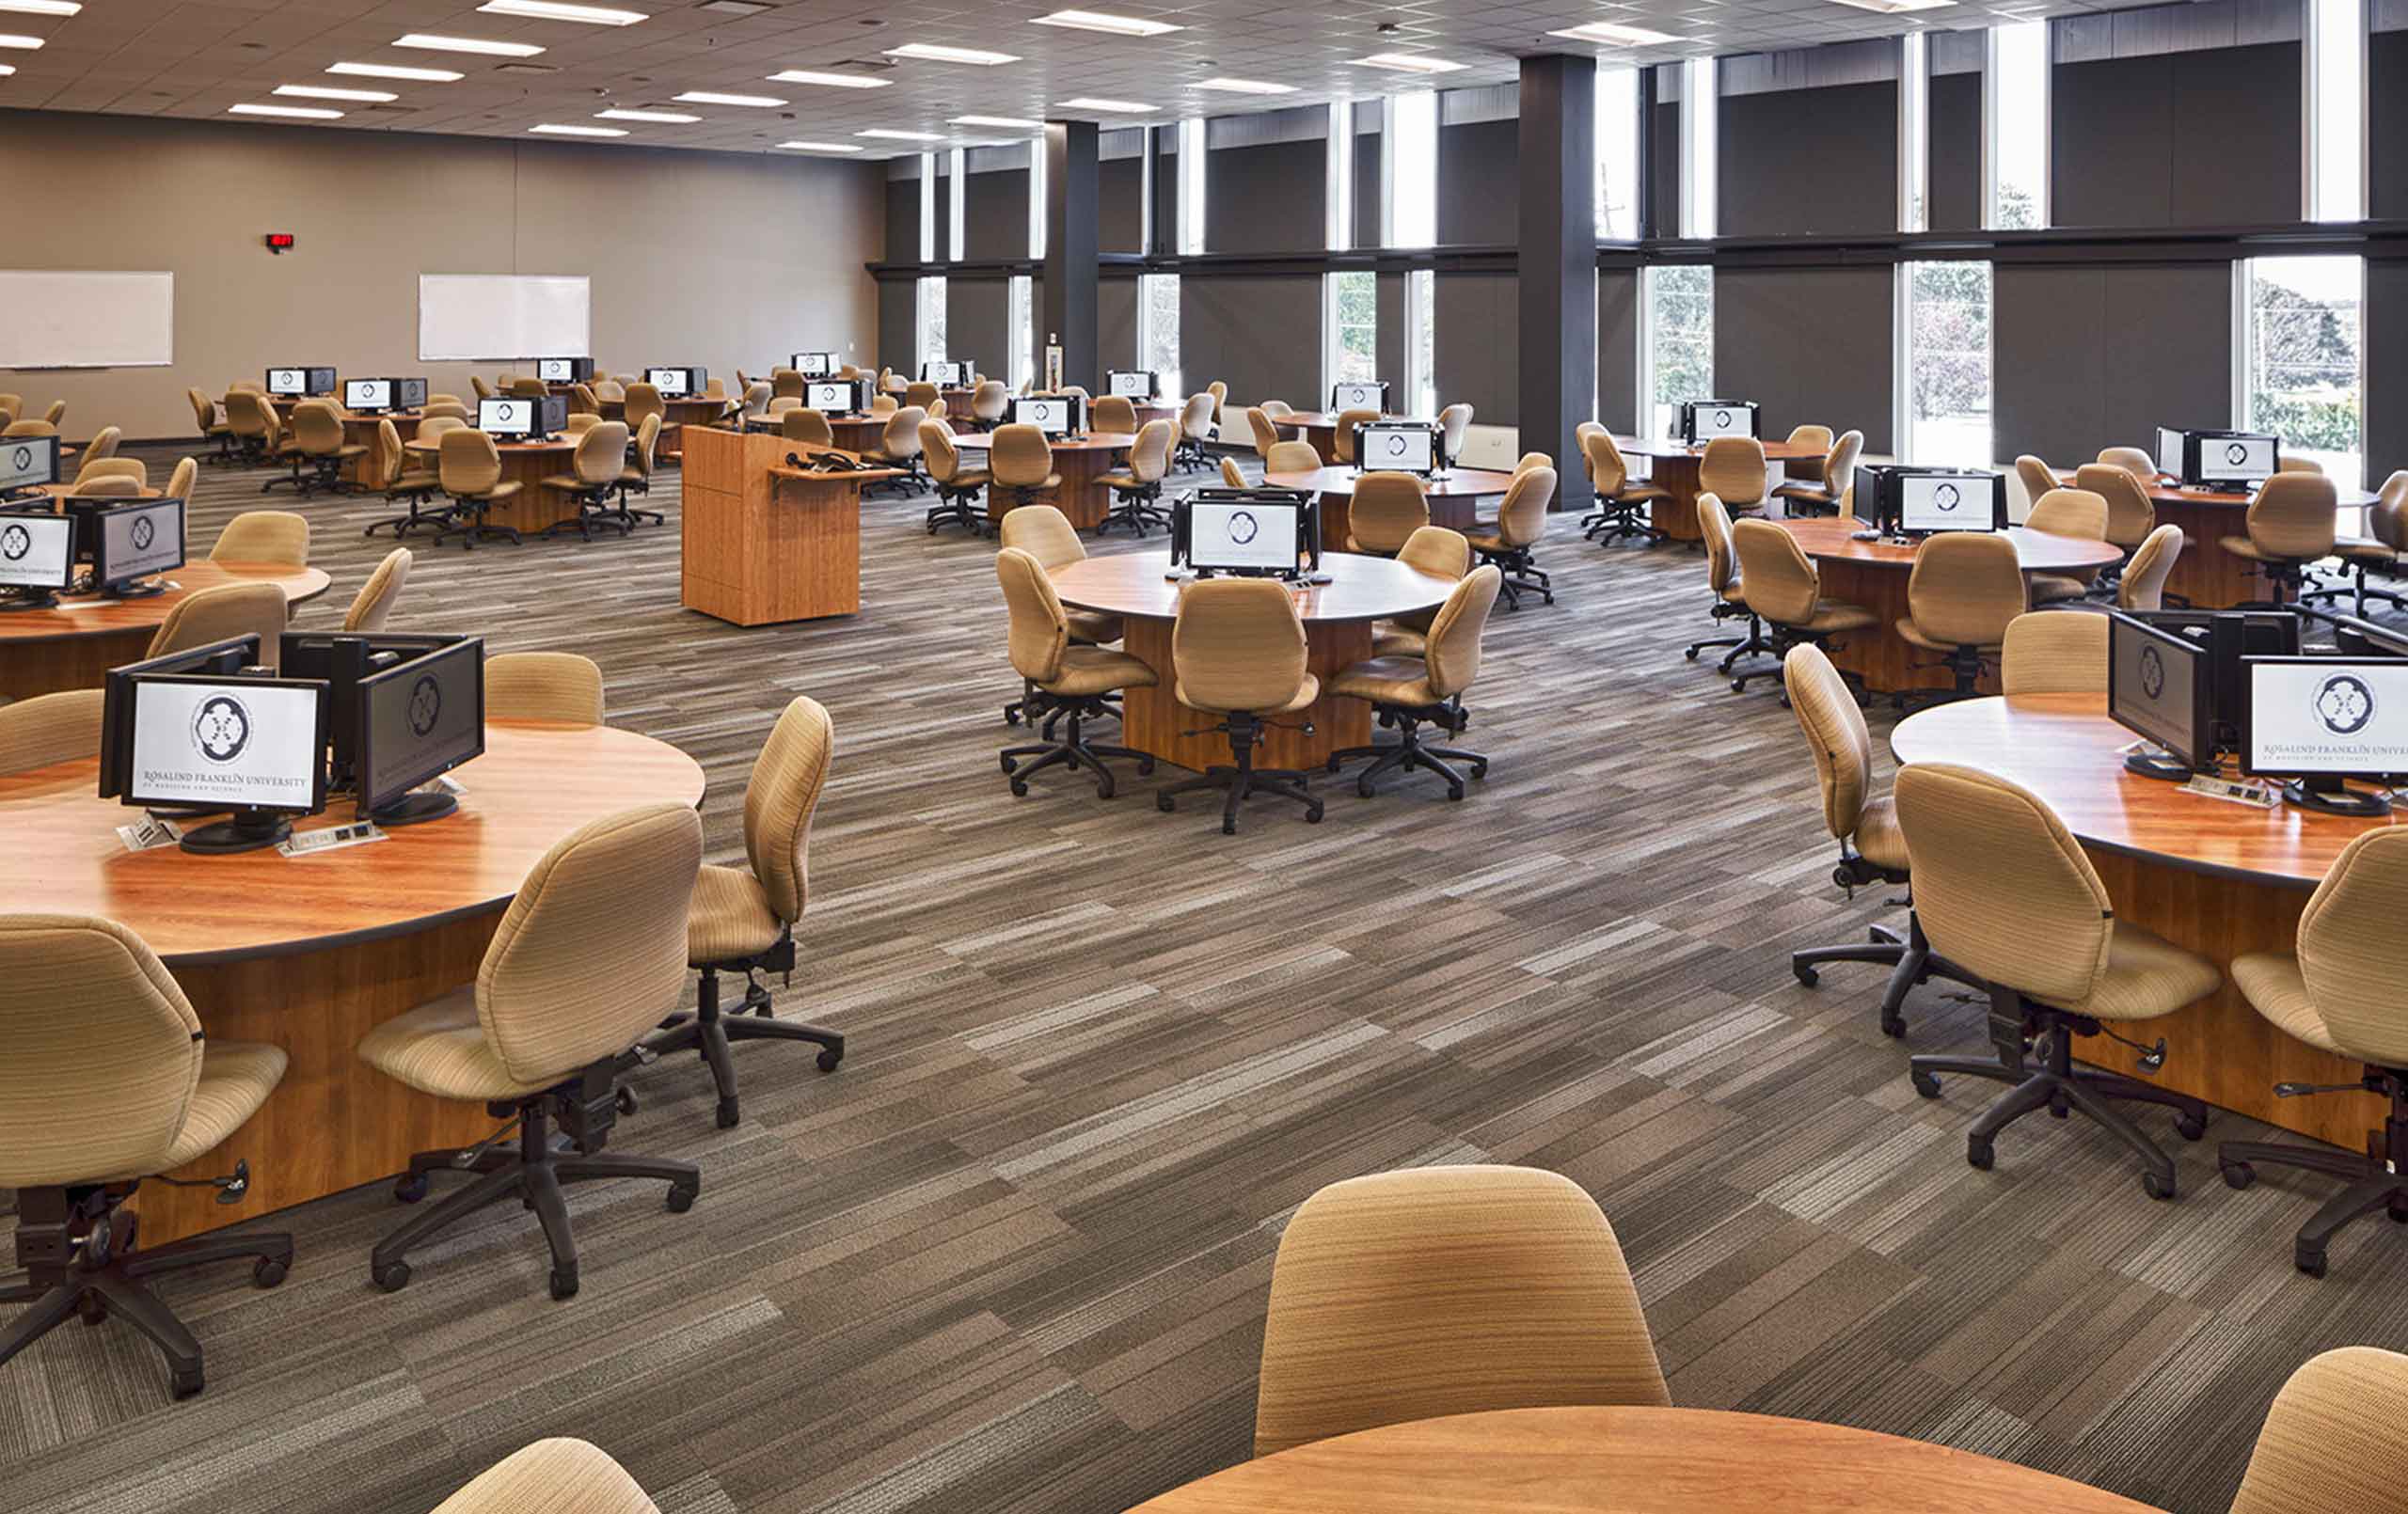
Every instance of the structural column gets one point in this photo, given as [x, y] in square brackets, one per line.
[1559, 261]
[1070, 246]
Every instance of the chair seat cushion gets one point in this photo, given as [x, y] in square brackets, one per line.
[348, 451]
[1096, 670]
[2051, 588]
[1123, 479]
[1633, 494]
[440, 1049]
[2241, 546]
[1484, 537]
[730, 917]
[571, 483]
[967, 479]
[1809, 494]
[498, 493]
[1305, 696]
[2271, 982]
[1092, 627]
[1915, 636]
[2146, 976]
[2364, 553]
[236, 1077]
[1391, 639]
[1388, 681]
[1879, 839]
[1836, 615]
[1734, 594]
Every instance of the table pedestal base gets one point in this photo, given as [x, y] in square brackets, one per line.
[1083, 500]
[1878, 654]
[1152, 722]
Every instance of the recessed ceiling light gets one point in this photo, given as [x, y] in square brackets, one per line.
[833, 81]
[821, 147]
[306, 112]
[1613, 34]
[1408, 63]
[311, 91]
[579, 131]
[892, 135]
[935, 53]
[466, 44]
[1245, 87]
[6, 69]
[1096, 21]
[555, 10]
[734, 8]
[12, 40]
[41, 8]
[706, 97]
[1890, 8]
[669, 116]
[1009, 122]
[1116, 107]
[395, 71]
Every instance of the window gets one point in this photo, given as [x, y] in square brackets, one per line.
[2016, 127]
[957, 187]
[1697, 147]
[1353, 322]
[1948, 363]
[1037, 197]
[931, 321]
[2336, 105]
[927, 206]
[1421, 352]
[1158, 329]
[1191, 186]
[2303, 378]
[1679, 350]
[1412, 179]
[1340, 166]
[1618, 154]
[1914, 131]
[1022, 360]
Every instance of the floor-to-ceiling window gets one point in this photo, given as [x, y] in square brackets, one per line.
[2337, 110]
[1355, 327]
[1700, 125]
[2016, 127]
[1158, 329]
[1617, 139]
[1022, 360]
[1914, 131]
[1677, 348]
[2303, 373]
[1411, 178]
[1946, 368]
[929, 348]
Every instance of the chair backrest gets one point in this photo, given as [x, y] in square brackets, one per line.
[1521, 516]
[936, 446]
[103, 444]
[2003, 890]
[104, 1052]
[1219, 390]
[557, 1476]
[990, 400]
[227, 611]
[278, 536]
[1386, 508]
[1453, 634]
[1232, 475]
[2293, 462]
[787, 382]
[247, 415]
[1835, 732]
[2385, 521]
[1039, 630]
[1965, 587]
[2069, 513]
[2142, 585]
[901, 439]
[1454, 422]
[1044, 533]
[204, 410]
[642, 400]
[647, 444]
[1608, 470]
[601, 453]
[1733, 468]
[884, 404]
[1266, 435]
[2054, 652]
[1781, 582]
[1722, 552]
[2037, 476]
[469, 464]
[779, 800]
[181, 480]
[2333, 1441]
[441, 410]
[1276, 409]
[1150, 454]
[1290, 457]
[780, 406]
[317, 427]
[433, 428]
[1348, 422]
[1018, 456]
[115, 467]
[1195, 417]
[56, 414]
[582, 400]
[528, 388]
[393, 459]
[478, 386]
[2293, 515]
[2131, 513]
[592, 953]
[609, 388]
[1113, 413]
[1446, 1290]
[373, 605]
[1839, 465]
[49, 728]
[920, 394]
[1436, 551]
[560, 686]
[806, 425]
[757, 399]
[578, 424]
[29, 428]
[1238, 644]
[2348, 955]
[1810, 435]
[106, 486]
[2137, 461]
[1532, 459]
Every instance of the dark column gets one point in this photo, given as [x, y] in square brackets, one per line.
[1559, 262]
[1070, 204]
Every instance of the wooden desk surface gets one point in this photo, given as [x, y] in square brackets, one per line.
[1470, 484]
[1094, 441]
[432, 445]
[1780, 452]
[535, 783]
[2063, 748]
[1362, 588]
[2164, 491]
[94, 616]
[64, 491]
[1628, 1461]
[1326, 418]
[2036, 551]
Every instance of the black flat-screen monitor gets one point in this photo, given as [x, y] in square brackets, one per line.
[2236, 461]
[949, 374]
[132, 541]
[300, 382]
[1261, 532]
[564, 370]
[419, 719]
[216, 659]
[1055, 415]
[1132, 383]
[28, 463]
[37, 559]
[1703, 421]
[1359, 396]
[815, 364]
[677, 382]
[2227, 637]
[836, 396]
[409, 394]
[1917, 501]
[2318, 720]
[511, 418]
[1399, 447]
[369, 397]
[2158, 686]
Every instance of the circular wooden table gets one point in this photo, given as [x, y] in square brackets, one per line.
[1874, 574]
[678, 412]
[1319, 427]
[1338, 619]
[1628, 1461]
[2207, 575]
[534, 507]
[1081, 460]
[1673, 467]
[310, 953]
[1455, 497]
[44, 651]
[57, 492]
[2219, 878]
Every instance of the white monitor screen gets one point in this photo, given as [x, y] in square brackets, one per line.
[139, 539]
[367, 394]
[834, 397]
[671, 381]
[26, 461]
[1241, 535]
[37, 551]
[1938, 503]
[1050, 416]
[1399, 448]
[2169, 452]
[1137, 385]
[2237, 459]
[506, 417]
[288, 380]
[956, 374]
[204, 742]
[2320, 716]
[556, 370]
[2153, 686]
[1358, 396]
[815, 365]
[1725, 421]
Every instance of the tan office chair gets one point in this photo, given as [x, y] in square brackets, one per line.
[1732, 470]
[610, 390]
[2054, 653]
[551, 1476]
[251, 421]
[756, 403]
[1784, 590]
[1964, 589]
[582, 400]
[2008, 898]
[1233, 476]
[1113, 413]
[1521, 525]
[373, 605]
[2135, 461]
[805, 425]
[1409, 691]
[1454, 423]
[1730, 602]
[1219, 390]
[898, 447]
[2332, 1441]
[988, 403]
[317, 452]
[1446, 1290]
[125, 1087]
[275, 536]
[575, 426]
[103, 444]
[2037, 477]
[49, 728]
[1441, 553]
[959, 484]
[133, 469]
[56, 414]
[561, 687]
[227, 611]
[642, 400]
[1046, 534]
[2290, 527]
[1195, 428]
[1266, 435]
[921, 396]
[204, 415]
[1238, 652]
[2291, 463]
[470, 467]
[106, 486]
[528, 388]
[2131, 513]
[480, 388]
[787, 383]
[1020, 461]
[2142, 583]
[1622, 501]
[2075, 512]
[1062, 681]
[1137, 485]
[1809, 470]
[1345, 433]
[1388, 508]
[883, 406]
[588, 957]
[28, 427]
[592, 481]
[644, 457]
[2378, 551]
[1289, 457]
[181, 480]
[1830, 490]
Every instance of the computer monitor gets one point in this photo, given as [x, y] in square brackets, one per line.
[367, 397]
[37, 559]
[214, 660]
[834, 397]
[513, 418]
[28, 463]
[2225, 460]
[343, 660]
[130, 543]
[409, 394]
[1364, 395]
[1132, 383]
[676, 383]
[1055, 415]
[2169, 452]
[564, 370]
[1703, 421]
[2227, 637]
[2315, 721]
[815, 364]
[420, 717]
[955, 374]
[1399, 447]
[1262, 532]
[1899, 499]
[2157, 685]
[301, 382]
[255, 746]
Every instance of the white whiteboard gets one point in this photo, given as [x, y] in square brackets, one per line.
[473, 317]
[61, 319]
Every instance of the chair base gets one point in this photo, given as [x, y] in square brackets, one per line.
[2359, 591]
[957, 508]
[710, 1034]
[1909, 960]
[2377, 1180]
[421, 515]
[1410, 751]
[469, 525]
[1741, 646]
[1520, 575]
[1614, 523]
[1074, 751]
[1243, 779]
[1965, 666]
[1777, 647]
[1139, 510]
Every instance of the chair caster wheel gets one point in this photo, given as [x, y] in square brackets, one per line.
[392, 1277]
[1455, 791]
[411, 1188]
[1805, 974]
[1020, 789]
[727, 1115]
[1979, 1154]
[2312, 1263]
[1737, 687]
[2238, 1174]
[1145, 766]
[681, 1198]
[1925, 1083]
[1165, 803]
[563, 1283]
[1479, 770]
[2156, 1186]
[91, 1309]
[1005, 762]
[1312, 813]
[1362, 789]
[1331, 766]
[829, 1057]
[2059, 1108]
[1690, 653]
[267, 1272]
[184, 1384]
[1894, 1026]
[625, 1100]
[2191, 1127]
[1228, 825]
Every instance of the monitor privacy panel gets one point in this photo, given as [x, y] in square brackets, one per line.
[506, 417]
[28, 461]
[232, 743]
[1241, 535]
[2153, 686]
[37, 551]
[139, 539]
[367, 394]
[2327, 716]
[1397, 449]
[423, 717]
[2169, 452]
[1938, 503]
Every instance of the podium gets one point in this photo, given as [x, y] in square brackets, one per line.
[764, 543]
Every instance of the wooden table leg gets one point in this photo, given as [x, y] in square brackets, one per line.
[1152, 722]
[2205, 573]
[1884, 660]
[534, 508]
[1676, 515]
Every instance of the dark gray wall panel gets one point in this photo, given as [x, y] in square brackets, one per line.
[1117, 322]
[1120, 189]
[1953, 173]
[2387, 359]
[1618, 347]
[978, 322]
[2388, 125]
[1808, 162]
[1664, 168]
[1475, 337]
[994, 214]
[902, 220]
[1367, 189]
[1809, 345]
[898, 328]
[1166, 193]
[942, 242]
[2093, 357]
[1391, 340]
[2209, 137]
[1479, 199]
[1265, 198]
[1261, 336]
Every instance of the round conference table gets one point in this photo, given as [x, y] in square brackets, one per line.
[2220, 878]
[1628, 1460]
[1673, 467]
[45, 651]
[1338, 619]
[2205, 573]
[1081, 461]
[1874, 574]
[66, 490]
[1319, 427]
[1455, 497]
[534, 507]
[678, 412]
[310, 953]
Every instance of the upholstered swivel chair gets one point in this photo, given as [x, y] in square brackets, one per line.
[470, 467]
[181, 479]
[528, 388]
[1114, 413]
[1289, 457]
[644, 457]
[2290, 525]
[1446, 1290]
[582, 400]
[642, 400]
[2053, 653]
[2141, 585]
[1521, 525]
[2008, 898]
[959, 485]
[1232, 476]
[130, 468]
[1266, 435]
[1195, 428]
[277, 536]
[404, 482]
[756, 403]
[1809, 470]
[204, 415]
[1064, 682]
[1441, 553]
[561, 687]
[2135, 461]
[1824, 496]
[920, 395]
[553, 1476]
[1046, 534]
[319, 450]
[1137, 485]
[1346, 431]
[1454, 424]
[898, 447]
[226, 610]
[1219, 390]
[2131, 513]
[592, 481]
[1238, 650]
[1729, 600]
[2037, 477]
[1622, 501]
[1409, 691]
[56, 414]
[988, 403]
[590, 955]
[1783, 590]
[101, 445]
[1020, 462]
[109, 1080]
[2378, 551]
[884, 405]
[806, 425]
[787, 383]
[1964, 589]
[373, 605]
[2076, 513]
[2331, 1443]
[1732, 470]
[1385, 511]
[49, 728]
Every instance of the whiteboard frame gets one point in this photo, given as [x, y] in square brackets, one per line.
[168, 361]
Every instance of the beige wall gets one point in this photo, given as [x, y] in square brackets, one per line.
[721, 259]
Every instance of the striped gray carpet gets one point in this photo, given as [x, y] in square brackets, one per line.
[1013, 1255]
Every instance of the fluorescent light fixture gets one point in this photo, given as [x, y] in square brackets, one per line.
[577, 131]
[821, 147]
[311, 91]
[1012, 123]
[6, 69]
[705, 97]
[396, 71]
[1115, 107]
[833, 81]
[1408, 63]
[13, 39]
[1613, 34]
[1245, 87]
[669, 116]
[41, 8]
[1096, 21]
[466, 44]
[890, 133]
[555, 10]
[935, 53]
[304, 112]
[1891, 8]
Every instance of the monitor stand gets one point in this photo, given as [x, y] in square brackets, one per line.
[133, 589]
[414, 808]
[2328, 797]
[2159, 764]
[30, 599]
[249, 832]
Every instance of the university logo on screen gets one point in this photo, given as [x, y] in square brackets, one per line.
[220, 740]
